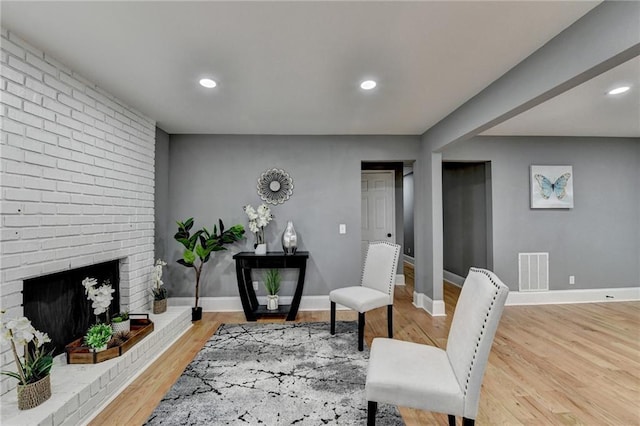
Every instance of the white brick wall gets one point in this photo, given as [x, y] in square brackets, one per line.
[76, 179]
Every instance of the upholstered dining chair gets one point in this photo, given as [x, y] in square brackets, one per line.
[429, 378]
[375, 290]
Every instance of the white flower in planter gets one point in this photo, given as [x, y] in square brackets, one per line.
[101, 296]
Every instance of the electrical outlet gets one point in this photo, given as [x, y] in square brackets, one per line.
[343, 228]
[255, 286]
[572, 279]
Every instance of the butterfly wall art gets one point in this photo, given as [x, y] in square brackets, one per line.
[551, 187]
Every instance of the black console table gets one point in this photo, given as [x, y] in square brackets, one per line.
[247, 260]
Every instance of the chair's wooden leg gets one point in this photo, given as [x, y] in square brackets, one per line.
[452, 420]
[390, 320]
[361, 331]
[371, 413]
[468, 422]
[333, 318]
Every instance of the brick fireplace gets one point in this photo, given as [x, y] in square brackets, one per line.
[76, 180]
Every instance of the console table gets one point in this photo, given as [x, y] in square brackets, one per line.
[247, 260]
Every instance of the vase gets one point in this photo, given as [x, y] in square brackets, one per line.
[117, 327]
[33, 394]
[159, 306]
[289, 239]
[261, 249]
[272, 302]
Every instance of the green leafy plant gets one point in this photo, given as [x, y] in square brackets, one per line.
[36, 363]
[272, 281]
[121, 317]
[202, 243]
[98, 335]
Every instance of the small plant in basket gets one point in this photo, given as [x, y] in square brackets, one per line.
[158, 291]
[34, 386]
[98, 336]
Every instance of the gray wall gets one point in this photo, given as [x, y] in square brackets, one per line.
[408, 206]
[161, 193]
[464, 193]
[598, 240]
[213, 176]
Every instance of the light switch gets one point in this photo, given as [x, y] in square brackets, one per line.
[343, 228]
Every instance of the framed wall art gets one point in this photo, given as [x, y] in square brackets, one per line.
[551, 187]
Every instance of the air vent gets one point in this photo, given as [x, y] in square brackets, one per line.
[533, 271]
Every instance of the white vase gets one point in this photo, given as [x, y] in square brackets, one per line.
[272, 302]
[121, 326]
[261, 249]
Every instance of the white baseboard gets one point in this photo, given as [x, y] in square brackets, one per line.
[435, 308]
[233, 304]
[452, 278]
[624, 294]
[409, 259]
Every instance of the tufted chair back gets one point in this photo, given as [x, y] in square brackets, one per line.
[380, 266]
[474, 325]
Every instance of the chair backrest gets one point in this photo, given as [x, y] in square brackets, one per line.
[473, 328]
[380, 267]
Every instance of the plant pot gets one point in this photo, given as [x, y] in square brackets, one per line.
[261, 249]
[33, 394]
[159, 306]
[272, 302]
[196, 313]
[117, 327]
[100, 349]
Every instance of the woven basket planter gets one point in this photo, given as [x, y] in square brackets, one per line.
[159, 306]
[34, 394]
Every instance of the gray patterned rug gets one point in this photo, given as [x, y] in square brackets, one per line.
[274, 374]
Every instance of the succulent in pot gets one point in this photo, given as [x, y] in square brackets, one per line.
[121, 322]
[98, 336]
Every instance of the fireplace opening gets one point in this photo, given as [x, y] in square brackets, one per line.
[57, 304]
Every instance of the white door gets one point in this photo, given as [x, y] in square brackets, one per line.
[378, 208]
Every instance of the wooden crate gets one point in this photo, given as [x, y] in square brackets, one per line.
[79, 354]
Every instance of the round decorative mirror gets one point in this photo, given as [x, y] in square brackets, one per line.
[275, 186]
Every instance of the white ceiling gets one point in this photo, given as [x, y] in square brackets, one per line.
[294, 67]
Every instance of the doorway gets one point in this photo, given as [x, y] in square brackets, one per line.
[467, 218]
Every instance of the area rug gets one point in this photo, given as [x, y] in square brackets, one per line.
[274, 374]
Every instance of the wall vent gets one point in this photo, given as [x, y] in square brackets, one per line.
[533, 271]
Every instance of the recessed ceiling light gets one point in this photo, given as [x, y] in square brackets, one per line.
[368, 84]
[208, 83]
[619, 90]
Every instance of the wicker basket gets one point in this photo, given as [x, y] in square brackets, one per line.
[159, 306]
[34, 394]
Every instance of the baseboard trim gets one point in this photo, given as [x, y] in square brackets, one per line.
[435, 308]
[233, 304]
[555, 297]
[452, 278]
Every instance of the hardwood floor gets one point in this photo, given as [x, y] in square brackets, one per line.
[555, 364]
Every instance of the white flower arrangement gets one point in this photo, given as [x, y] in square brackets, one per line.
[100, 296]
[158, 291]
[37, 364]
[259, 218]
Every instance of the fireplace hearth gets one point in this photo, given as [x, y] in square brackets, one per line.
[56, 304]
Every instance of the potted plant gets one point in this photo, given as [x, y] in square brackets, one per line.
[272, 285]
[98, 336]
[200, 246]
[121, 322]
[33, 370]
[159, 292]
[259, 218]
[100, 296]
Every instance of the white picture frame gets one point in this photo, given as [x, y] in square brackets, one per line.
[551, 187]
